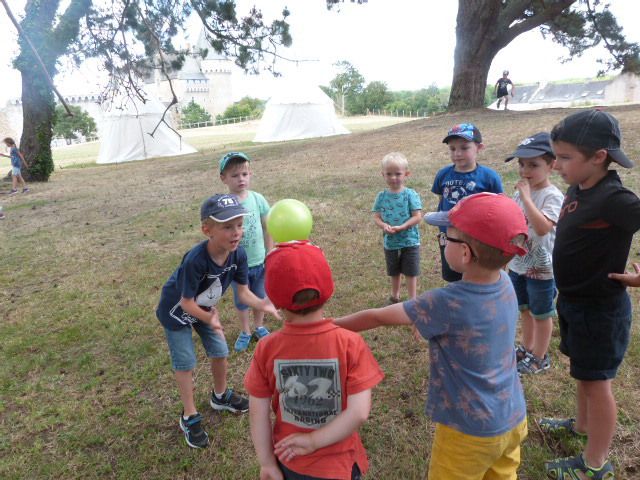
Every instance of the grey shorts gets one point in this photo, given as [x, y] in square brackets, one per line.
[404, 261]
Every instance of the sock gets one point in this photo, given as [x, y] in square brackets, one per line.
[186, 417]
[219, 395]
[595, 469]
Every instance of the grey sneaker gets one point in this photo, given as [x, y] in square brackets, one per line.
[194, 434]
[230, 401]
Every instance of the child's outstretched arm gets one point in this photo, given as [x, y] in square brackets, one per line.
[247, 297]
[628, 279]
[260, 420]
[356, 413]
[375, 317]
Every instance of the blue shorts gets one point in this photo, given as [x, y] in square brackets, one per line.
[594, 334]
[534, 295]
[16, 172]
[256, 286]
[182, 349]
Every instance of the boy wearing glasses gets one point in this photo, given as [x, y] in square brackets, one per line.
[475, 396]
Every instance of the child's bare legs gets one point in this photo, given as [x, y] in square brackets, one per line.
[527, 329]
[15, 179]
[243, 316]
[219, 372]
[597, 413]
[412, 286]
[395, 287]
[542, 330]
[258, 318]
[184, 379]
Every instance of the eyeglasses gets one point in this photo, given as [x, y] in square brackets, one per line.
[443, 239]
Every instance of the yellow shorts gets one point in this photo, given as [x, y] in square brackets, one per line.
[458, 456]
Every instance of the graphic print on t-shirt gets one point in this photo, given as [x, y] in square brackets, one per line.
[310, 394]
[456, 190]
[210, 297]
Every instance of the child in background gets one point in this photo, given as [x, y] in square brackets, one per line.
[397, 212]
[17, 162]
[188, 301]
[464, 177]
[475, 396]
[593, 237]
[236, 174]
[315, 376]
[532, 274]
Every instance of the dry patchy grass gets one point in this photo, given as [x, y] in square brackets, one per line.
[85, 382]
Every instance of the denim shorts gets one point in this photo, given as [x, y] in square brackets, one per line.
[534, 295]
[182, 349]
[256, 285]
[404, 261]
[15, 171]
[594, 335]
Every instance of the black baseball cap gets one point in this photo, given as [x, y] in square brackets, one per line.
[533, 146]
[222, 208]
[593, 129]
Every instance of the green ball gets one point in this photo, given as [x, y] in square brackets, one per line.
[288, 220]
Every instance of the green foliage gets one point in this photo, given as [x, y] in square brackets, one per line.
[69, 127]
[425, 101]
[346, 87]
[245, 107]
[194, 113]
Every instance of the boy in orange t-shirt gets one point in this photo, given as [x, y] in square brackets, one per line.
[316, 376]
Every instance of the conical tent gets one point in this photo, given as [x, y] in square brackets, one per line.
[125, 128]
[298, 110]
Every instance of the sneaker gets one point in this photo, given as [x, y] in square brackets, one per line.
[575, 468]
[25, 189]
[242, 343]
[2, 216]
[560, 426]
[230, 401]
[261, 332]
[521, 352]
[531, 364]
[13, 191]
[194, 434]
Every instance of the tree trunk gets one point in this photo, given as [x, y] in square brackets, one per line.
[38, 110]
[476, 39]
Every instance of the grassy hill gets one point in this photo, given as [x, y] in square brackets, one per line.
[86, 389]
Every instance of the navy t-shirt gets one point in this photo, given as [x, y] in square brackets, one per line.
[200, 278]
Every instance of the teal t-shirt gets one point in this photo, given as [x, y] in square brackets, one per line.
[395, 209]
[253, 237]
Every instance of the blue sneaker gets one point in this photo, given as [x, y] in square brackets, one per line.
[242, 343]
[261, 332]
[194, 434]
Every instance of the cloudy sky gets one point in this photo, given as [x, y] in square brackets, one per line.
[408, 44]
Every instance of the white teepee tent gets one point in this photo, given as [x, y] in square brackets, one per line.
[125, 128]
[298, 110]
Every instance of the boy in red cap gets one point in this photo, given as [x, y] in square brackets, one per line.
[316, 376]
[475, 396]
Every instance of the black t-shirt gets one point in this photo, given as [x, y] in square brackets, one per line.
[593, 238]
[502, 86]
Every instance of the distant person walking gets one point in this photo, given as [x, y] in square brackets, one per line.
[17, 162]
[502, 89]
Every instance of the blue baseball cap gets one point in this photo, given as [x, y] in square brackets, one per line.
[533, 146]
[222, 208]
[468, 131]
[230, 156]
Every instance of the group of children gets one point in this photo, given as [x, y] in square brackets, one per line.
[317, 377]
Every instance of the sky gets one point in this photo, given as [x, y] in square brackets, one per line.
[408, 44]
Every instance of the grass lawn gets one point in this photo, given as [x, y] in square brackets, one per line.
[86, 389]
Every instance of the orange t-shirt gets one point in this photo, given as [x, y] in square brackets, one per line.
[308, 371]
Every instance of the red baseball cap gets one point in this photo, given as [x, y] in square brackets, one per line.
[493, 219]
[295, 266]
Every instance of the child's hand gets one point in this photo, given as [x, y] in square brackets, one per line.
[214, 322]
[389, 229]
[294, 445]
[269, 308]
[628, 279]
[271, 472]
[524, 188]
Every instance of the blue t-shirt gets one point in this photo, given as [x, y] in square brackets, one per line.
[473, 383]
[453, 186]
[199, 277]
[395, 209]
[15, 157]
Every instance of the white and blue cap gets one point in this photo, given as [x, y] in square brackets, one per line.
[222, 208]
[468, 131]
[533, 146]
